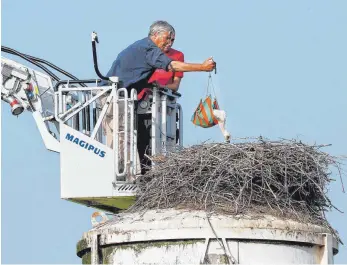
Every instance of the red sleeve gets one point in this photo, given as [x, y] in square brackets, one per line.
[180, 57]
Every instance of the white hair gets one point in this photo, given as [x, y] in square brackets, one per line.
[160, 26]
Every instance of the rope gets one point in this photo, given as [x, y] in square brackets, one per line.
[210, 83]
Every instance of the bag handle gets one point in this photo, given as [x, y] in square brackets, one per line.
[209, 86]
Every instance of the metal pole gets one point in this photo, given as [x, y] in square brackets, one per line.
[115, 132]
[125, 141]
[133, 134]
[163, 123]
[154, 120]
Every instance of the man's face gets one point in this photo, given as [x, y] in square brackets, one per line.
[165, 41]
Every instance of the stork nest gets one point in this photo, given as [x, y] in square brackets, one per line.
[285, 178]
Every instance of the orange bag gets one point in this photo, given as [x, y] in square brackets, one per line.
[203, 115]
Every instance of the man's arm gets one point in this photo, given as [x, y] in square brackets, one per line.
[207, 66]
[175, 84]
[172, 85]
[157, 59]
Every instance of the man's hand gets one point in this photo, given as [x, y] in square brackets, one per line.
[209, 65]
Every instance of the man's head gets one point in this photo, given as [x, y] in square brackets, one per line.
[162, 34]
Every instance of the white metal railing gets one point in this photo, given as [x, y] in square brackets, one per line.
[163, 109]
[128, 105]
[91, 127]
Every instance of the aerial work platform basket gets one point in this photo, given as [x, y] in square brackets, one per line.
[104, 134]
[95, 174]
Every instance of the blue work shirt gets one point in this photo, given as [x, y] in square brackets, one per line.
[135, 64]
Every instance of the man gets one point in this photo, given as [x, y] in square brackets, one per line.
[135, 64]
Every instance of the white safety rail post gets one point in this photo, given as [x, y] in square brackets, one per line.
[173, 123]
[163, 127]
[133, 133]
[121, 151]
[155, 121]
[125, 107]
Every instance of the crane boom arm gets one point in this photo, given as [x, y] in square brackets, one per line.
[26, 89]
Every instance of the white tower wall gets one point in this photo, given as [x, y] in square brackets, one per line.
[189, 237]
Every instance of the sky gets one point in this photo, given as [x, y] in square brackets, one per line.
[282, 73]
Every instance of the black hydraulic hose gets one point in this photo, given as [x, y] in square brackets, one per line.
[13, 51]
[95, 59]
[86, 81]
[31, 61]
[55, 68]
